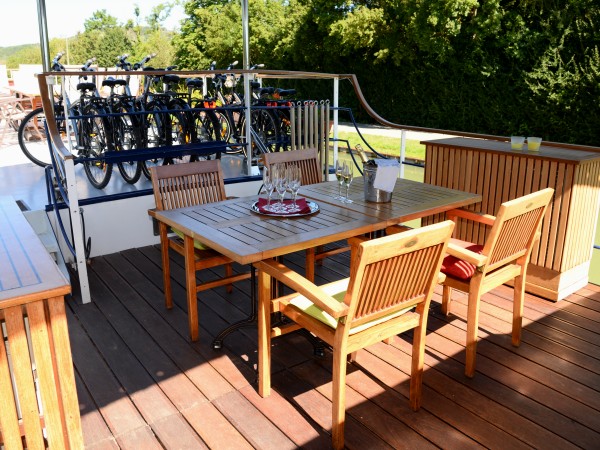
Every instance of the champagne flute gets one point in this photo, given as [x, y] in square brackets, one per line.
[268, 184]
[294, 181]
[281, 185]
[339, 168]
[348, 176]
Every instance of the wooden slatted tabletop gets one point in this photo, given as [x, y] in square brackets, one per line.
[410, 199]
[231, 228]
[28, 272]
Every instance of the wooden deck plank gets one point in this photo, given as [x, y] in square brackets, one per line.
[95, 431]
[546, 393]
[258, 430]
[155, 407]
[117, 409]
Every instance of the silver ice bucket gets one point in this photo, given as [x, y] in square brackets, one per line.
[372, 194]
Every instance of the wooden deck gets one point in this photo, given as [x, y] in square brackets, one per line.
[142, 384]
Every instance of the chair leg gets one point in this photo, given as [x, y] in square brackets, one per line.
[472, 325]
[518, 301]
[390, 340]
[310, 264]
[164, 251]
[351, 357]
[418, 361]
[338, 417]
[446, 299]
[190, 287]
[228, 273]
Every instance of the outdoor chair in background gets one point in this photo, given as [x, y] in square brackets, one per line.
[12, 112]
[389, 290]
[179, 186]
[308, 161]
[477, 269]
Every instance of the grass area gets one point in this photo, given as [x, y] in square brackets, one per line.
[383, 144]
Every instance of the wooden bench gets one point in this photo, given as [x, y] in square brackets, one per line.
[38, 399]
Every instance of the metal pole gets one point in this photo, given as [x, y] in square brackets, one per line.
[246, 62]
[402, 152]
[43, 28]
[336, 95]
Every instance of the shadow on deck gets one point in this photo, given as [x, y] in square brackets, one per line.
[143, 384]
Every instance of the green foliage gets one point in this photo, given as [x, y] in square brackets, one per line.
[495, 67]
[100, 21]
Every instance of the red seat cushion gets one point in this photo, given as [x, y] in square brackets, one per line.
[458, 268]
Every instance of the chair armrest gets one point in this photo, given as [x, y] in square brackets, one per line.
[304, 287]
[486, 219]
[466, 255]
[357, 240]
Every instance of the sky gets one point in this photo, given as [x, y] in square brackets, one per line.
[66, 17]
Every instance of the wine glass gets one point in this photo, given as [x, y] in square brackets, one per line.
[268, 184]
[294, 176]
[281, 184]
[348, 176]
[339, 168]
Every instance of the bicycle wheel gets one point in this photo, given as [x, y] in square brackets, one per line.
[207, 128]
[267, 130]
[156, 133]
[32, 138]
[180, 129]
[285, 130]
[94, 141]
[127, 137]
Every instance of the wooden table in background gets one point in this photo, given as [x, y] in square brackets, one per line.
[560, 261]
[32, 291]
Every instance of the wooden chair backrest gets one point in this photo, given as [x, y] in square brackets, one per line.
[395, 272]
[182, 185]
[514, 231]
[307, 160]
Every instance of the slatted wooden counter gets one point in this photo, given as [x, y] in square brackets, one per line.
[38, 399]
[560, 262]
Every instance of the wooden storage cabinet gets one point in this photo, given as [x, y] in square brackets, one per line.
[38, 398]
[560, 261]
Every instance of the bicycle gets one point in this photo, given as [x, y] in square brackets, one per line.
[94, 135]
[233, 120]
[32, 129]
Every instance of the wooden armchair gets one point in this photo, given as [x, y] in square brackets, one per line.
[477, 269]
[308, 161]
[179, 186]
[390, 286]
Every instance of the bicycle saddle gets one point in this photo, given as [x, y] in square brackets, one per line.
[285, 92]
[194, 82]
[86, 86]
[254, 85]
[111, 82]
[266, 91]
[171, 78]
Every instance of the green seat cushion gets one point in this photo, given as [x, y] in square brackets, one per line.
[197, 244]
[338, 292]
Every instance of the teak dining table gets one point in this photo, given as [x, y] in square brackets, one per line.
[232, 228]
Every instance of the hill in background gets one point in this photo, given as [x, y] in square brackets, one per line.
[7, 52]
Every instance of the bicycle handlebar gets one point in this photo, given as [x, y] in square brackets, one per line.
[56, 65]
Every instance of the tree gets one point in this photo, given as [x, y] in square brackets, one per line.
[213, 31]
[100, 21]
